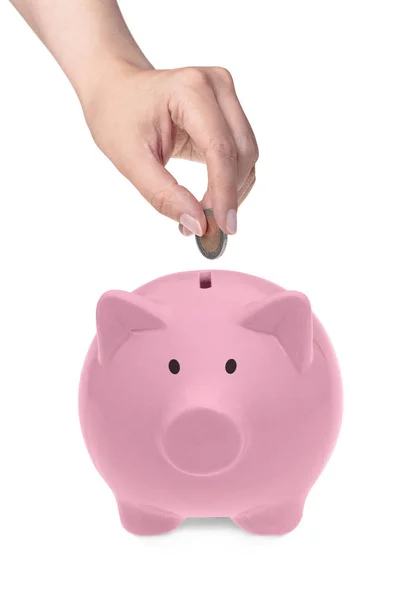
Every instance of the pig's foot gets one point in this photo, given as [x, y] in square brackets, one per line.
[276, 520]
[147, 520]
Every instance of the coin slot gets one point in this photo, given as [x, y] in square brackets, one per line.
[205, 279]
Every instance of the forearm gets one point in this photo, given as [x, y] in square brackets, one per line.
[84, 36]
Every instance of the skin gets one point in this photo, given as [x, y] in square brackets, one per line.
[141, 117]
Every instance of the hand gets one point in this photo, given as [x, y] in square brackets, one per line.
[140, 118]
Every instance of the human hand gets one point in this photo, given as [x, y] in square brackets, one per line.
[140, 118]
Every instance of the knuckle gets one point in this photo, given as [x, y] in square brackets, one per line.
[195, 77]
[161, 201]
[256, 152]
[224, 76]
[224, 148]
[252, 176]
[249, 149]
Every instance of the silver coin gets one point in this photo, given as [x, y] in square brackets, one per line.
[213, 243]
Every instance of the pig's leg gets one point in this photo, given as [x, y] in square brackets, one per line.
[276, 520]
[147, 520]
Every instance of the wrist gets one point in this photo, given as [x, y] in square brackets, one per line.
[98, 72]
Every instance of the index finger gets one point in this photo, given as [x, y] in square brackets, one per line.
[204, 121]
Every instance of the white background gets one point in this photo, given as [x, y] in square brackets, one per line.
[320, 84]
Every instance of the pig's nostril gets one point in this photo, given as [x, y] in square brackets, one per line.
[202, 441]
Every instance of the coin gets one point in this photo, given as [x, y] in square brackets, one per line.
[213, 243]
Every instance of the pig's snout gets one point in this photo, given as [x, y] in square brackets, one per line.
[202, 441]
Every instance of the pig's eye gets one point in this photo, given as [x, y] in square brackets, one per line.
[230, 366]
[174, 366]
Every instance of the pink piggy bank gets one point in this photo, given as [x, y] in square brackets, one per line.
[210, 393]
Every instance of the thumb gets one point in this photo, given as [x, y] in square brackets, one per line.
[164, 193]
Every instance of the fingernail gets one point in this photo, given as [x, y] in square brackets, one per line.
[186, 231]
[231, 221]
[191, 223]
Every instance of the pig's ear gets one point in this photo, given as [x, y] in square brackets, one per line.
[288, 317]
[120, 313]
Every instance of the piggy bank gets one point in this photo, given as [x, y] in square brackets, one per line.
[209, 393]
